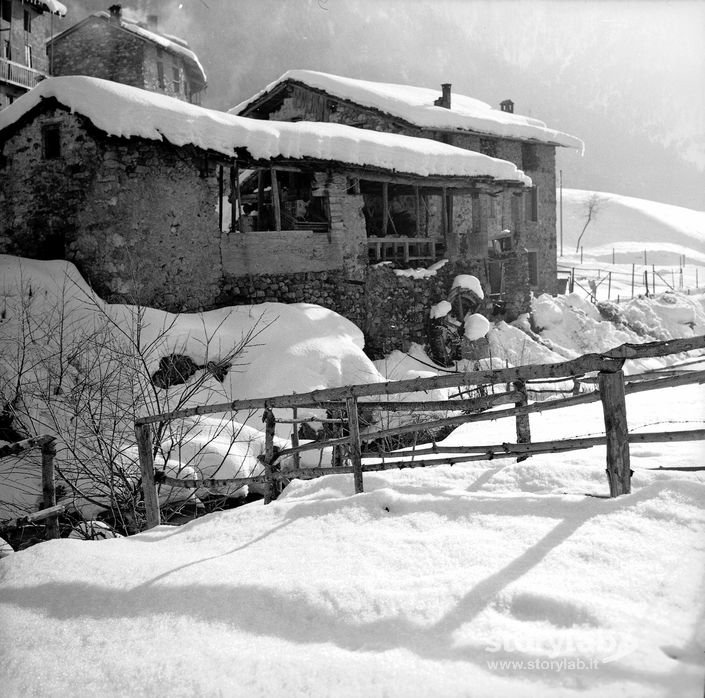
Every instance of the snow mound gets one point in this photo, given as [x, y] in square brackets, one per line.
[476, 326]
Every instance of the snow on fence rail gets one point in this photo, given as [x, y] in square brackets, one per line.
[50, 509]
[346, 402]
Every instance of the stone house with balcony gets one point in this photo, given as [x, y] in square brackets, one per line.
[169, 204]
[513, 233]
[24, 27]
[112, 46]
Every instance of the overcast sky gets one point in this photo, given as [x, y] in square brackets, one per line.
[628, 77]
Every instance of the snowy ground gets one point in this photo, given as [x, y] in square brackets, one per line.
[490, 578]
[486, 579]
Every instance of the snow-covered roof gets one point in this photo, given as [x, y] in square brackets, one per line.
[171, 44]
[53, 6]
[415, 105]
[125, 111]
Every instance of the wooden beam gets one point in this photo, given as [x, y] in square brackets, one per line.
[268, 460]
[584, 364]
[260, 197]
[616, 432]
[276, 202]
[355, 447]
[49, 486]
[523, 427]
[491, 452]
[51, 512]
[220, 198]
[17, 447]
[143, 436]
[385, 208]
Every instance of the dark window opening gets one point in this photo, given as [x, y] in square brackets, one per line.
[51, 141]
[532, 204]
[160, 75]
[291, 202]
[6, 10]
[533, 261]
[27, 21]
[529, 157]
[7, 49]
[176, 73]
[391, 210]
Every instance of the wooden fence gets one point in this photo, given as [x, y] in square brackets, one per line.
[50, 510]
[345, 404]
[644, 280]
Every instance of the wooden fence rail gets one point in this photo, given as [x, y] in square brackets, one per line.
[50, 509]
[348, 401]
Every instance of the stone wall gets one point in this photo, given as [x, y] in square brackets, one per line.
[139, 220]
[101, 50]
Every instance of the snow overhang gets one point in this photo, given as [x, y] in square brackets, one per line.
[124, 111]
[415, 106]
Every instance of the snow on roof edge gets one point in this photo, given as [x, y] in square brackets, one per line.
[125, 111]
[416, 106]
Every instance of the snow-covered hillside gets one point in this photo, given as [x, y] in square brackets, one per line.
[630, 226]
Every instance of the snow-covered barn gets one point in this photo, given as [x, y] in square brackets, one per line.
[519, 227]
[170, 204]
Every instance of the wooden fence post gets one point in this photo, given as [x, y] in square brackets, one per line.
[632, 280]
[270, 491]
[355, 445]
[143, 434]
[616, 431]
[522, 420]
[49, 485]
[295, 438]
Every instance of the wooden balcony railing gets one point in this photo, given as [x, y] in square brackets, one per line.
[18, 74]
[404, 250]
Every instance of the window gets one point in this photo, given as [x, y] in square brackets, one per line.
[7, 49]
[28, 56]
[6, 10]
[529, 157]
[27, 21]
[176, 72]
[160, 74]
[51, 141]
[532, 204]
[533, 260]
[516, 211]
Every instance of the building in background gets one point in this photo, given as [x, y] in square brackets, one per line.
[111, 46]
[24, 28]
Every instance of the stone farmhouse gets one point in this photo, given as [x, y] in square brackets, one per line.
[108, 45]
[510, 234]
[169, 204]
[24, 27]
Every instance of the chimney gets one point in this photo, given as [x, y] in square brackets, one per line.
[507, 105]
[152, 22]
[115, 13]
[444, 99]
